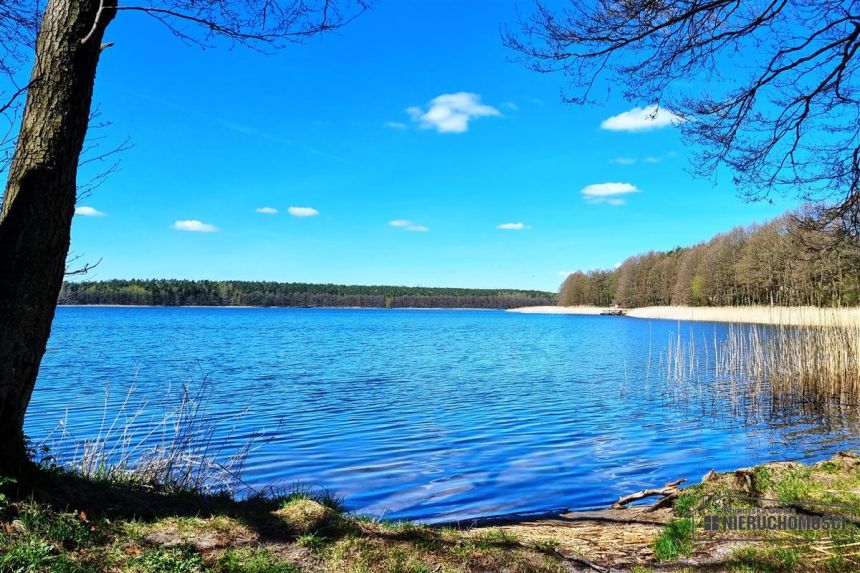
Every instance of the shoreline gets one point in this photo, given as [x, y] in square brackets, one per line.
[272, 307]
[118, 525]
[770, 315]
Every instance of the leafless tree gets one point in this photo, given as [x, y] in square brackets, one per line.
[40, 193]
[767, 88]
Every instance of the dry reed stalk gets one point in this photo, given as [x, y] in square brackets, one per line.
[818, 364]
[177, 445]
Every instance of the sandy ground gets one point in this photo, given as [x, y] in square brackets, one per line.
[558, 310]
[786, 316]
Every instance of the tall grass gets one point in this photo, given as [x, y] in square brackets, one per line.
[779, 364]
[176, 444]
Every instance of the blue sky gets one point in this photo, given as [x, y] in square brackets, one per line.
[412, 114]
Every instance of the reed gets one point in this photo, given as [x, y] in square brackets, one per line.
[782, 364]
[176, 444]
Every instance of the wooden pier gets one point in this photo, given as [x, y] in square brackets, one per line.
[613, 312]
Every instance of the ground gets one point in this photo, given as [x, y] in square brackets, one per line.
[59, 522]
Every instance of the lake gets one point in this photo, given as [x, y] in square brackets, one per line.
[431, 415]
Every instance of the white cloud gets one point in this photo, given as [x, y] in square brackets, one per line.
[608, 189]
[609, 193]
[194, 226]
[641, 119]
[565, 273]
[84, 211]
[266, 210]
[395, 125]
[451, 113]
[511, 106]
[617, 265]
[647, 159]
[303, 212]
[408, 225]
[513, 226]
[623, 160]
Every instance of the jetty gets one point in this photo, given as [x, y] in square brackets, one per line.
[613, 311]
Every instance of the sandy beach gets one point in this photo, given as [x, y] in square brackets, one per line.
[558, 310]
[786, 316]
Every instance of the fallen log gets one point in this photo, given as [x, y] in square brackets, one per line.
[668, 493]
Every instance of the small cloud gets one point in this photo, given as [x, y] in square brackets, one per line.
[607, 193]
[84, 211]
[395, 125]
[408, 225]
[617, 265]
[641, 119]
[564, 273]
[194, 226]
[513, 226]
[303, 211]
[511, 106]
[647, 159]
[608, 189]
[623, 160]
[451, 113]
[266, 210]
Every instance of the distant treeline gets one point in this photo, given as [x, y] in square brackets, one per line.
[170, 292]
[783, 262]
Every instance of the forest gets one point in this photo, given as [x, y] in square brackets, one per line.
[172, 292]
[786, 262]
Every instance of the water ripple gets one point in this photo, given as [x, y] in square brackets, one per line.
[416, 414]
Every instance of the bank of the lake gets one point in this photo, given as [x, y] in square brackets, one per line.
[777, 315]
[62, 522]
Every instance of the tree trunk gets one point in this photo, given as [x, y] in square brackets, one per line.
[39, 203]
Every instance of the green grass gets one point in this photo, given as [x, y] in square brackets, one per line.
[252, 561]
[179, 559]
[688, 501]
[765, 560]
[313, 541]
[675, 540]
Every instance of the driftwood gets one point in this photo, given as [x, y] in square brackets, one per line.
[669, 493]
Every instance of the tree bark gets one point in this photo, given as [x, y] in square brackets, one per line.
[39, 203]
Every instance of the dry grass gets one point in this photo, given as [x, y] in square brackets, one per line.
[174, 443]
[773, 315]
[778, 364]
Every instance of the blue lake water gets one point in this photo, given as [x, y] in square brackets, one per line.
[424, 414]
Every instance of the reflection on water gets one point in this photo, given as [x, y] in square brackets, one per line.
[432, 415]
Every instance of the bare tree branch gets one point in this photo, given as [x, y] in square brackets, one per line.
[252, 22]
[81, 270]
[781, 108]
